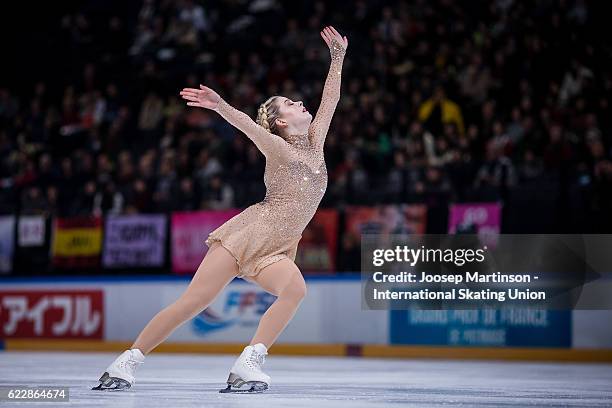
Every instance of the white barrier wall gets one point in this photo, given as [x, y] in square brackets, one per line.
[331, 312]
[118, 310]
[592, 329]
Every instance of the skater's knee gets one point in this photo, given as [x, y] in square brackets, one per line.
[190, 304]
[296, 288]
[199, 294]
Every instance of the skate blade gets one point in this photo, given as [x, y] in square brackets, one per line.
[235, 383]
[252, 387]
[108, 383]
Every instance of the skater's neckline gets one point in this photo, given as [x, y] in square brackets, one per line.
[298, 140]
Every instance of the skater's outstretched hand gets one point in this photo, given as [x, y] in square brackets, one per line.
[331, 90]
[330, 34]
[269, 144]
[201, 98]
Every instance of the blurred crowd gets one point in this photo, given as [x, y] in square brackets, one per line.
[441, 100]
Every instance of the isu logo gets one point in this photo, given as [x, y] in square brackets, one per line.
[52, 314]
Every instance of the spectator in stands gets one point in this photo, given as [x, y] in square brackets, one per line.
[219, 195]
[104, 108]
[187, 197]
[496, 175]
[439, 110]
[138, 198]
[531, 168]
[33, 201]
[108, 200]
[83, 203]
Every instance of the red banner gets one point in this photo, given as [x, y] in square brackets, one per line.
[386, 219]
[52, 314]
[317, 248]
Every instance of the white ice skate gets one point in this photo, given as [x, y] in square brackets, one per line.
[120, 374]
[247, 371]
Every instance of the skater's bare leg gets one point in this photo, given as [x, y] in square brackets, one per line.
[282, 279]
[217, 269]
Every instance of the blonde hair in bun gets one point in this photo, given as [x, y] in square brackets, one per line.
[267, 114]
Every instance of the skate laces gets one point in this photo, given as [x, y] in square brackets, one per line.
[131, 363]
[256, 360]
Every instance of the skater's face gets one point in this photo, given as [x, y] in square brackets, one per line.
[294, 112]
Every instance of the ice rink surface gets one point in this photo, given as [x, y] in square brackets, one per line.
[193, 380]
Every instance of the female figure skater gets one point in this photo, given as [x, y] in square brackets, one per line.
[260, 243]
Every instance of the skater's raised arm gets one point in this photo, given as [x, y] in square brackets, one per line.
[205, 97]
[331, 91]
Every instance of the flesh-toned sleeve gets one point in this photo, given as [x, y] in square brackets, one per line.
[268, 143]
[331, 95]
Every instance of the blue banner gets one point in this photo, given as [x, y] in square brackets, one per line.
[504, 327]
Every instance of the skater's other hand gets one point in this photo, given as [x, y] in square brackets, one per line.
[201, 98]
[330, 34]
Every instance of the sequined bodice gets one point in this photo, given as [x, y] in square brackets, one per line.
[295, 185]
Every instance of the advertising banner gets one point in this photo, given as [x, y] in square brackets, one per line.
[31, 231]
[52, 313]
[495, 327]
[7, 243]
[386, 219]
[382, 220]
[135, 241]
[236, 312]
[317, 248]
[77, 242]
[330, 314]
[325, 315]
[481, 218]
[33, 249]
[189, 231]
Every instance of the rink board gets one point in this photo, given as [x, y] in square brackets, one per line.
[333, 350]
[108, 313]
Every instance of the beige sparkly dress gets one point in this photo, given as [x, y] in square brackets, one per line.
[295, 178]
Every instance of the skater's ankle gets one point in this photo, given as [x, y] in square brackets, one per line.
[260, 347]
[138, 351]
